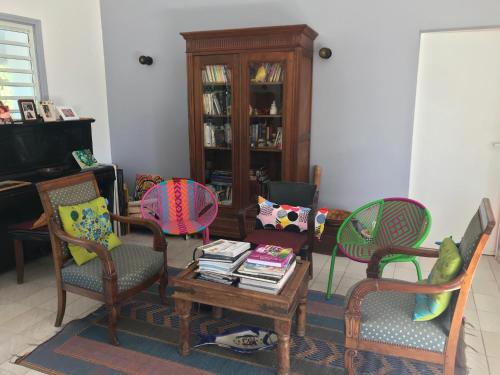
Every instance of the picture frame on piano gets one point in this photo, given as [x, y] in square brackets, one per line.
[48, 111]
[27, 108]
[67, 113]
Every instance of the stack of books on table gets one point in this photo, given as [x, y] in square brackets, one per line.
[219, 259]
[266, 269]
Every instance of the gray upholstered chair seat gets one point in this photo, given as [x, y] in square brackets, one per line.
[387, 317]
[133, 264]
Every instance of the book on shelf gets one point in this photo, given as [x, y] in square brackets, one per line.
[216, 103]
[271, 255]
[216, 74]
[223, 249]
[268, 73]
[267, 133]
[217, 135]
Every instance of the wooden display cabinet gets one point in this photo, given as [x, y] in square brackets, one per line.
[249, 102]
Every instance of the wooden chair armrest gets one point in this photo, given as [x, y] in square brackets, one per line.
[367, 286]
[242, 221]
[372, 271]
[92, 246]
[159, 242]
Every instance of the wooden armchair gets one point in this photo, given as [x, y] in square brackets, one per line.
[111, 277]
[293, 194]
[378, 316]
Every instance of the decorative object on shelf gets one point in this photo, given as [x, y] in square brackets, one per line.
[241, 340]
[27, 108]
[274, 109]
[145, 60]
[260, 76]
[5, 116]
[325, 53]
[85, 159]
[48, 111]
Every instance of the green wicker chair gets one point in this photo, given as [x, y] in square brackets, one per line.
[378, 224]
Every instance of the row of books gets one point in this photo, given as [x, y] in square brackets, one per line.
[221, 183]
[265, 269]
[262, 131]
[216, 103]
[273, 73]
[216, 74]
[220, 259]
[217, 135]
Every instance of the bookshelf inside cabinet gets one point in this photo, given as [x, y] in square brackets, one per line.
[249, 102]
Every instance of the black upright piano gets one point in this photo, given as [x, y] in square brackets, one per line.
[34, 152]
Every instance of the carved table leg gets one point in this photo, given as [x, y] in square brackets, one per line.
[301, 317]
[184, 310]
[282, 328]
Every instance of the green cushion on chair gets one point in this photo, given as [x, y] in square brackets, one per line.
[447, 267]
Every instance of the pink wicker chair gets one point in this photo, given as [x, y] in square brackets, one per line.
[180, 206]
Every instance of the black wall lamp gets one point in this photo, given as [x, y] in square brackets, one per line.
[325, 53]
[146, 60]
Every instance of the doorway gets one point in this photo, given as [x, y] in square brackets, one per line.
[456, 134]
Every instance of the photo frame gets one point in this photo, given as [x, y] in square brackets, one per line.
[67, 113]
[5, 116]
[48, 111]
[27, 108]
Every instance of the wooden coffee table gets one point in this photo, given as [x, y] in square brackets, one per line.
[281, 307]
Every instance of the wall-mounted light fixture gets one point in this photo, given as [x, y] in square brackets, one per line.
[146, 60]
[325, 53]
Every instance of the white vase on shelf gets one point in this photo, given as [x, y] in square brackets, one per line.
[273, 110]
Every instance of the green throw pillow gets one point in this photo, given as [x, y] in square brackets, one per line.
[89, 221]
[447, 267]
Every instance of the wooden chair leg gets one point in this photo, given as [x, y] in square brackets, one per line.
[19, 254]
[349, 356]
[113, 316]
[61, 306]
[162, 288]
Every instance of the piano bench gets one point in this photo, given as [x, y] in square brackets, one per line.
[21, 232]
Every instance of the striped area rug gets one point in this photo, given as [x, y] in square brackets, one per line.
[148, 344]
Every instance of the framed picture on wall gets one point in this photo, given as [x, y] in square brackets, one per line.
[48, 111]
[67, 113]
[28, 111]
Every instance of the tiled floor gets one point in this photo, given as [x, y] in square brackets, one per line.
[27, 311]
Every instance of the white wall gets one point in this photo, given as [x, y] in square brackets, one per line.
[363, 97]
[457, 118]
[74, 59]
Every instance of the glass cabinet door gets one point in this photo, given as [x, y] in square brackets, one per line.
[265, 125]
[217, 127]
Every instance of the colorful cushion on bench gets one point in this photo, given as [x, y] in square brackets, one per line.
[288, 218]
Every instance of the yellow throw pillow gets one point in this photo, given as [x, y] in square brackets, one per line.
[89, 221]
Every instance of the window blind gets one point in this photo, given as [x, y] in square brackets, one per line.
[18, 77]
